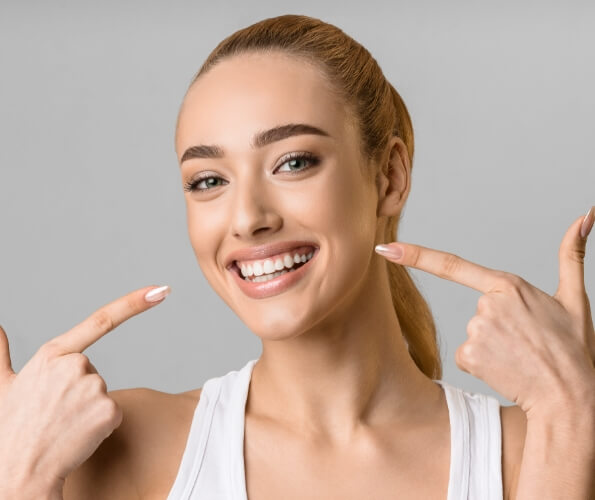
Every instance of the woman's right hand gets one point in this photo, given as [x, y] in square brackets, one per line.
[56, 412]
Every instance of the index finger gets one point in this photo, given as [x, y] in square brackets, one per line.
[106, 318]
[449, 266]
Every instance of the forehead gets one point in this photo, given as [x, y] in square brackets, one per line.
[251, 92]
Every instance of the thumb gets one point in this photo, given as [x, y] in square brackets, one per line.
[5, 363]
[572, 257]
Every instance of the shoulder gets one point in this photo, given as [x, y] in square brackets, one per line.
[141, 457]
[514, 426]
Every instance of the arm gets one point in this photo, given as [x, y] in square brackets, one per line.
[559, 455]
[536, 350]
[514, 429]
[140, 459]
[107, 473]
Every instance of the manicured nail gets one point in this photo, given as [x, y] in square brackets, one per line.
[392, 251]
[587, 224]
[157, 293]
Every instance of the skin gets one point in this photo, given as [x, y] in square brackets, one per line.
[56, 411]
[345, 300]
[335, 398]
[335, 383]
[334, 378]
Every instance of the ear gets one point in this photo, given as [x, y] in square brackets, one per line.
[393, 179]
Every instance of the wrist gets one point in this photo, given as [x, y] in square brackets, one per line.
[565, 425]
[29, 493]
[31, 487]
[558, 456]
[571, 407]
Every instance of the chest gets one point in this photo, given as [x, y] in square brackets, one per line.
[412, 465]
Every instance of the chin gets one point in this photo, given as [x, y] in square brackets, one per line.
[280, 326]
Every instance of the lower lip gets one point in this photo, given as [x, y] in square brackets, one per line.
[263, 289]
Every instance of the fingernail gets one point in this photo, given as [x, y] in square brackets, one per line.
[587, 224]
[392, 251]
[157, 293]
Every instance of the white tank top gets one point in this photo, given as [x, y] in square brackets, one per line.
[212, 466]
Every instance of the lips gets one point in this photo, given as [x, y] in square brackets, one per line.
[275, 286]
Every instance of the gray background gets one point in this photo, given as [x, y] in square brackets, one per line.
[91, 203]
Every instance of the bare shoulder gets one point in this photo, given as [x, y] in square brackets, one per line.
[514, 427]
[140, 459]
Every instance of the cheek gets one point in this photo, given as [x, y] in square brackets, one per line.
[343, 212]
[348, 210]
[203, 230]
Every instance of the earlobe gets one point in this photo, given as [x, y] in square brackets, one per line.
[393, 179]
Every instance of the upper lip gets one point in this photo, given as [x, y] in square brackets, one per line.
[263, 251]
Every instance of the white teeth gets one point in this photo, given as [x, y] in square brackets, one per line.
[271, 268]
[257, 268]
[288, 261]
[268, 277]
[268, 266]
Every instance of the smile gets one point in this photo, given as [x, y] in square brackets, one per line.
[265, 269]
[267, 277]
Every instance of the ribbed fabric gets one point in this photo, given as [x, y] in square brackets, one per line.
[212, 466]
[475, 445]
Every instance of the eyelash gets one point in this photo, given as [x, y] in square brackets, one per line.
[312, 160]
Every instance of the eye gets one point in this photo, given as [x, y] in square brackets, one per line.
[209, 180]
[296, 161]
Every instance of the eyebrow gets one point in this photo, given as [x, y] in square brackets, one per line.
[259, 140]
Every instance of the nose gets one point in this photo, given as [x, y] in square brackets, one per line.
[254, 212]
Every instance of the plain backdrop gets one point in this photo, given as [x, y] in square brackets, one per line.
[91, 200]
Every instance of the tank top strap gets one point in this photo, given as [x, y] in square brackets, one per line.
[196, 442]
[237, 385]
[476, 445]
[212, 464]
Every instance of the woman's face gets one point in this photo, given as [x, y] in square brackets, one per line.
[301, 190]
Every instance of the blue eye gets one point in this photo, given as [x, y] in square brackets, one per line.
[294, 160]
[297, 162]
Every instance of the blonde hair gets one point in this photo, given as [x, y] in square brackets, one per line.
[380, 114]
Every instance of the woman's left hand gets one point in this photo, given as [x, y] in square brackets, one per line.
[534, 349]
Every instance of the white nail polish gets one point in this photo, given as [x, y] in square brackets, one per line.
[587, 223]
[157, 293]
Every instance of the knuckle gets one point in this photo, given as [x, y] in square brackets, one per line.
[111, 411]
[511, 282]
[450, 265]
[102, 320]
[97, 384]
[49, 350]
[414, 255]
[79, 363]
[484, 303]
[464, 357]
[576, 254]
[475, 326]
[458, 358]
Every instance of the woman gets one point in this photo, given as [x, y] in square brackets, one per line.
[296, 156]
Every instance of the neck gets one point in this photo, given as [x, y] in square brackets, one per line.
[352, 369]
